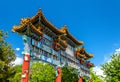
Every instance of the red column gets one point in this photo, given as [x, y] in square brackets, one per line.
[25, 68]
[90, 80]
[58, 78]
[80, 79]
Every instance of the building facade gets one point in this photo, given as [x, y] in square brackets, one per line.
[47, 43]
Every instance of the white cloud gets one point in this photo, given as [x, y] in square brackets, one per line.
[117, 51]
[17, 49]
[98, 71]
[18, 61]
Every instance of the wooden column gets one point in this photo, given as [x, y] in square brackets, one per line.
[25, 68]
[80, 79]
[58, 78]
[90, 80]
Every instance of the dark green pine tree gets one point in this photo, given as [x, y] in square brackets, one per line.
[7, 56]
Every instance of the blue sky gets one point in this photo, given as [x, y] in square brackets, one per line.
[96, 22]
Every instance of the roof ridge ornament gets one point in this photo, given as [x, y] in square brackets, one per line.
[40, 11]
[39, 14]
[24, 21]
[64, 29]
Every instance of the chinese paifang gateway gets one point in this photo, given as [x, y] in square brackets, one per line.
[44, 42]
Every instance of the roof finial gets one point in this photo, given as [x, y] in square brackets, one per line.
[39, 11]
[65, 26]
[64, 29]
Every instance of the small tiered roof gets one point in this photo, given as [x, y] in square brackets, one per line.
[82, 53]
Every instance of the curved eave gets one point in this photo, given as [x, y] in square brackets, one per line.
[81, 56]
[89, 55]
[91, 65]
[78, 49]
[58, 30]
[52, 27]
[19, 28]
[40, 14]
[73, 39]
[66, 32]
[36, 30]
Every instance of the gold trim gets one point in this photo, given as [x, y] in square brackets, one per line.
[35, 29]
[24, 23]
[87, 55]
[90, 64]
[63, 30]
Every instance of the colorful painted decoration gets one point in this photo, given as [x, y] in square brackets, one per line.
[46, 43]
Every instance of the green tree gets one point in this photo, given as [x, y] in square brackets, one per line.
[17, 76]
[112, 69]
[94, 77]
[85, 79]
[7, 56]
[69, 74]
[40, 72]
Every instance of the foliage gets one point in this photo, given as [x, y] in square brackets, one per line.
[7, 56]
[85, 79]
[69, 74]
[40, 72]
[112, 69]
[17, 76]
[94, 77]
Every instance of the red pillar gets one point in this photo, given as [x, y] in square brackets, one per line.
[80, 79]
[58, 78]
[25, 68]
[90, 80]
